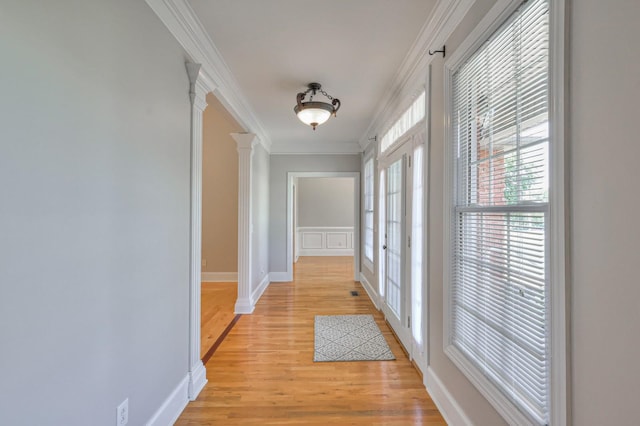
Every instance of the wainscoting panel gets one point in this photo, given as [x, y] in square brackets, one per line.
[337, 240]
[312, 240]
[324, 241]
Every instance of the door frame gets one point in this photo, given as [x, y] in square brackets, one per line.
[406, 145]
[356, 213]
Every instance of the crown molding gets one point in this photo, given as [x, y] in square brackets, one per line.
[323, 148]
[444, 19]
[182, 22]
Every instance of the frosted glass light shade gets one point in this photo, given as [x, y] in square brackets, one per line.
[314, 113]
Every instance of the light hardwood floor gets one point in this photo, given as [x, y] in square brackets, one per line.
[263, 372]
[217, 312]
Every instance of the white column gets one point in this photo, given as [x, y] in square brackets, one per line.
[197, 93]
[245, 142]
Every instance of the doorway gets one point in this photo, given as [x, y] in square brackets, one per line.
[292, 177]
[219, 218]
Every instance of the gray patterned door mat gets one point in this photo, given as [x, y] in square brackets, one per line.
[349, 338]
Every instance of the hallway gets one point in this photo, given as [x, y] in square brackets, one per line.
[264, 374]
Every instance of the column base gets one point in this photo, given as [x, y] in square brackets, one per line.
[244, 306]
[197, 380]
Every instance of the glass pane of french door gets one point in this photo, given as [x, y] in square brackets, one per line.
[394, 222]
[417, 245]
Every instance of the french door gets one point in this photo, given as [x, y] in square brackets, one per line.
[402, 281]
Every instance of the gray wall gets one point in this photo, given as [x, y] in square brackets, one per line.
[279, 166]
[325, 202]
[605, 199]
[471, 401]
[94, 217]
[260, 219]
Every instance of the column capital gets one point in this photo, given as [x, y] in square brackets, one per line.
[197, 89]
[245, 140]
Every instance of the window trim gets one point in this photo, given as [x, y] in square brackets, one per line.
[558, 248]
[421, 91]
[369, 263]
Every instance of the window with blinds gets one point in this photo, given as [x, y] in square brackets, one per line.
[499, 294]
[368, 210]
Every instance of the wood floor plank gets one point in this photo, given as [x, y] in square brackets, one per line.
[217, 312]
[263, 372]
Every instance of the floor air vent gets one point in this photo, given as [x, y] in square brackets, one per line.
[354, 293]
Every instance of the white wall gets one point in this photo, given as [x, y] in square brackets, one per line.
[94, 212]
[279, 166]
[325, 202]
[260, 219]
[605, 197]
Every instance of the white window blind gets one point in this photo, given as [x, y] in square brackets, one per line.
[368, 210]
[407, 120]
[499, 300]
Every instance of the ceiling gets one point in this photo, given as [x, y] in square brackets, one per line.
[274, 48]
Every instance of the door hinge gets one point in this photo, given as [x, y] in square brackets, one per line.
[409, 240]
[409, 161]
[409, 321]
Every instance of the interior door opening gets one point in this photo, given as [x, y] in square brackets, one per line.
[323, 238]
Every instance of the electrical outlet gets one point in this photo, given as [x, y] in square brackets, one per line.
[204, 262]
[122, 413]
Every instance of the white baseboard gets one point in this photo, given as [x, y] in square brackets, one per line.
[448, 406]
[280, 277]
[257, 293]
[219, 277]
[197, 380]
[173, 406]
[325, 252]
[373, 295]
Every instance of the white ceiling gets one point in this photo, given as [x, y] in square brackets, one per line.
[273, 48]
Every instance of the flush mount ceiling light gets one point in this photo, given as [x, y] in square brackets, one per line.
[313, 112]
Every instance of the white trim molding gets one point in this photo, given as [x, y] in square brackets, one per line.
[173, 406]
[326, 252]
[559, 213]
[329, 148]
[447, 405]
[198, 90]
[371, 292]
[219, 277]
[366, 157]
[246, 143]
